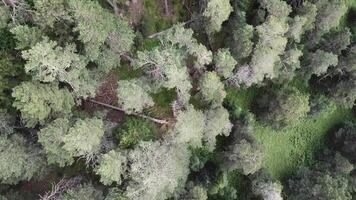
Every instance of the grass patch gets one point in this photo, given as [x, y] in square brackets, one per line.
[291, 147]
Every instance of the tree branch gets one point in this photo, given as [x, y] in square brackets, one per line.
[158, 121]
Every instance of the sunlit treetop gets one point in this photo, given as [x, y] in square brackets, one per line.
[216, 12]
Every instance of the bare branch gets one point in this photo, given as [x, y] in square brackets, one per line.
[62, 186]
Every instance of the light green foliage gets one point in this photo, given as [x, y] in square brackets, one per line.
[51, 138]
[329, 15]
[224, 63]
[47, 62]
[212, 89]
[216, 12]
[196, 193]
[166, 69]
[290, 63]
[96, 25]
[111, 167]
[134, 130]
[18, 160]
[4, 16]
[158, 171]
[276, 8]
[189, 128]
[320, 61]
[84, 138]
[312, 184]
[178, 35]
[265, 188]
[217, 123]
[285, 107]
[308, 11]
[271, 42]
[241, 45]
[38, 102]
[48, 12]
[243, 155]
[6, 122]
[132, 96]
[83, 82]
[26, 36]
[222, 189]
[296, 28]
[82, 192]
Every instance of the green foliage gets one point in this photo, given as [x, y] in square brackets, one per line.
[329, 15]
[197, 193]
[82, 192]
[115, 194]
[315, 184]
[134, 130]
[6, 122]
[320, 61]
[271, 43]
[343, 140]
[200, 156]
[133, 96]
[10, 75]
[49, 12]
[216, 123]
[241, 44]
[37, 102]
[18, 160]
[99, 26]
[4, 16]
[267, 189]
[283, 107]
[178, 35]
[111, 167]
[51, 138]
[158, 171]
[216, 12]
[26, 36]
[47, 62]
[212, 89]
[243, 155]
[290, 63]
[336, 41]
[84, 138]
[224, 63]
[189, 128]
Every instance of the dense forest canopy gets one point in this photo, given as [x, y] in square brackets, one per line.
[177, 99]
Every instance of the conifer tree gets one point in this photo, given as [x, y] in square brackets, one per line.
[37, 102]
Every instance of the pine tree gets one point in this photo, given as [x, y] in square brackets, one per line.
[212, 89]
[51, 138]
[158, 171]
[189, 128]
[224, 63]
[18, 160]
[216, 12]
[37, 102]
[84, 138]
[133, 96]
[112, 166]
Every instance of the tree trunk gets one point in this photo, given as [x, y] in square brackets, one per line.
[158, 121]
